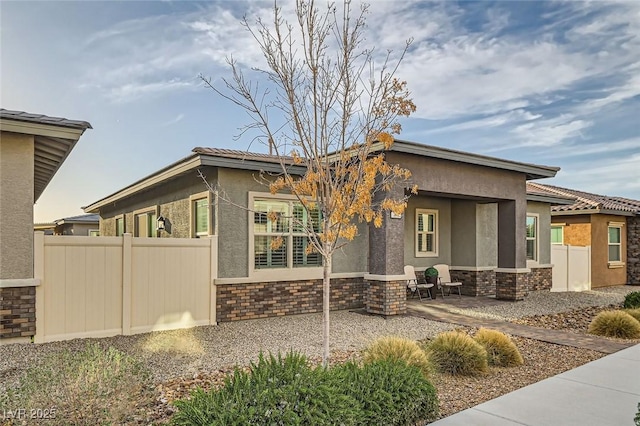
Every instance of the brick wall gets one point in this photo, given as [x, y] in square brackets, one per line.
[476, 283]
[386, 297]
[511, 286]
[17, 312]
[539, 279]
[262, 300]
[633, 250]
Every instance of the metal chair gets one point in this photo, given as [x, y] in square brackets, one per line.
[412, 282]
[444, 280]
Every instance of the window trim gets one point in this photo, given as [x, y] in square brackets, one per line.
[561, 226]
[152, 209]
[290, 272]
[93, 230]
[124, 224]
[620, 262]
[536, 238]
[192, 214]
[436, 233]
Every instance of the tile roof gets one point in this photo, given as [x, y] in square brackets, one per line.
[43, 119]
[585, 200]
[238, 155]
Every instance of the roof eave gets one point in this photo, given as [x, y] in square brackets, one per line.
[592, 211]
[550, 199]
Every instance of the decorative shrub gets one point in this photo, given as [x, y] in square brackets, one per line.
[632, 300]
[501, 351]
[637, 418]
[278, 391]
[431, 275]
[389, 392]
[90, 387]
[615, 324]
[398, 348]
[634, 313]
[457, 353]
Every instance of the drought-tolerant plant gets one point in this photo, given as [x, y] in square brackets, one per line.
[634, 313]
[88, 387]
[398, 348]
[277, 390]
[501, 351]
[389, 392]
[457, 353]
[632, 300]
[615, 324]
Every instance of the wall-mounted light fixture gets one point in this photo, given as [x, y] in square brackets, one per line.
[160, 223]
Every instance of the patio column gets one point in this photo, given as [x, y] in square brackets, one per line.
[512, 273]
[385, 292]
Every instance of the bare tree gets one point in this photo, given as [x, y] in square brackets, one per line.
[331, 105]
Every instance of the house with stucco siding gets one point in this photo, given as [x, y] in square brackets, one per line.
[471, 212]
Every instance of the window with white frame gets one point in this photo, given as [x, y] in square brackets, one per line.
[200, 216]
[532, 237]
[94, 233]
[119, 226]
[615, 243]
[426, 233]
[145, 224]
[557, 234]
[284, 221]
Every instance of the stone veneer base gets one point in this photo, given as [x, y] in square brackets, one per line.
[386, 298]
[633, 250]
[17, 312]
[271, 299]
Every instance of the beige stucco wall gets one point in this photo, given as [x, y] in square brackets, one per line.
[16, 205]
[601, 274]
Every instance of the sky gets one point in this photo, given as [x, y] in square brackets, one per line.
[549, 83]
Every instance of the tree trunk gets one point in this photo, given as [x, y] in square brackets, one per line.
[326, 301]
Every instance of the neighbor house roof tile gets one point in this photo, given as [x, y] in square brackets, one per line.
[586, 200]
[43, 119]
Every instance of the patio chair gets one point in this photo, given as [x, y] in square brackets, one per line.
[412, 283]
[444, 280]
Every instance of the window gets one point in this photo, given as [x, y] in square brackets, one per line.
[145, 224]
[119, 226]
[94, 233]
[615, 243]
[201, 217]
[557, 234]
[274, 219]
[532, 237]
[426, 233]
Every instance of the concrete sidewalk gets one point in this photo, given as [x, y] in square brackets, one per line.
[601, 393]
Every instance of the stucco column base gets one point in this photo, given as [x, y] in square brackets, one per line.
[386, 298]
[512, 284]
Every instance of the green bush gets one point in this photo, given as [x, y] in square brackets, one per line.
[615, 324]
[389, 392]
[634, 313]
[632, 300]
[637, 418]
[457, 353]
[88, 387]
[397, 348]
[287, 391]
[501, 351]
[278, 391]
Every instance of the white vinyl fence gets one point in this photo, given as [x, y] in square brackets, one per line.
[105, 286]
[571, 268]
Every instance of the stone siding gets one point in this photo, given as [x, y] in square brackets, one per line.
[633, 250]
[262, 300]
[476, 283]
[17, 312]
[511, 286]
[539, 279]
[386, 298]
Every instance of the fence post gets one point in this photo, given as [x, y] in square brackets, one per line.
[126, 284]
[213, 274]
[38, 274]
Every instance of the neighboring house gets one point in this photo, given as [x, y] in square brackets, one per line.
[472, 212]
[32, 148]
[610, 225]
[82, 225]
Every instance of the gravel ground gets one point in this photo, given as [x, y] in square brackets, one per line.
[181, 360]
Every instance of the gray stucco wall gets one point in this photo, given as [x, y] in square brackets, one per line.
[487, 234]
[16, 205]
[172, 200]
[544, 230]
[443, 206]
